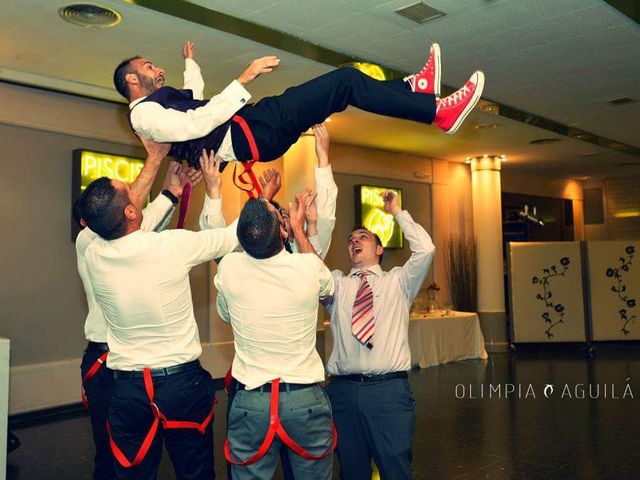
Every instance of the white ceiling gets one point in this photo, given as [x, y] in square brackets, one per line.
[562, 60]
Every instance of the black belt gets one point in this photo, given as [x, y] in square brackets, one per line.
[158, 372]
[284, 387]
[364, 378]
[97, 346]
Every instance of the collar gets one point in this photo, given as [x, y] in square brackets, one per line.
[375, 269]
[136, 101]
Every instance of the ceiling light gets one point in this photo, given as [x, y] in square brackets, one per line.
[482, 126]
[420, 12]
[87, 15]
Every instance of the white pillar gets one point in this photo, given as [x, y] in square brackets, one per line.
[487, 221]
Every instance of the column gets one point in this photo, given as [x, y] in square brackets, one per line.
[487, 221]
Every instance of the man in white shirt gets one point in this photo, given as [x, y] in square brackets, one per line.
[270, 297]
[372, 402]
[264, 131]
[97, 378]
[320, 212]
[141, 284]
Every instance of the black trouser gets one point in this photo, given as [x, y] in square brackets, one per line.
[287, 472]
[277, 122]
[98, 391]
[186, 396]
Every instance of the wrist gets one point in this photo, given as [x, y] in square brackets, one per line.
[170, 195]
[396, 211]
[213, 193]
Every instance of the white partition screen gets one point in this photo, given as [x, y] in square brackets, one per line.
[546, 299]
[614, 289]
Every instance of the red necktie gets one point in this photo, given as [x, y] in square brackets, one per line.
[363, 323]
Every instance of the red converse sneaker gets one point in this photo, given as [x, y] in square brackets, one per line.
[452, 110]
[428, 79]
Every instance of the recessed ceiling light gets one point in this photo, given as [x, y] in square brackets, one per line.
[543, 141]
[420, 12]
[87, 15]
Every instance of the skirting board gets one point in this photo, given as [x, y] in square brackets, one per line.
[53, 384]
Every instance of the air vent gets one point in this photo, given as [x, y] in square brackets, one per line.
[87, 15]
[622, 101]
[543, 141]
[420, 12]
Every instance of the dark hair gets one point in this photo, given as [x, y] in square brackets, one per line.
[259, 229]
[120, 73]
[102, 209]
[375, 235]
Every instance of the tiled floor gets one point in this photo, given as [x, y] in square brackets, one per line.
[457, 437]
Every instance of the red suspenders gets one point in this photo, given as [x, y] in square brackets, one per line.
[276, 428]
[251, 186]
[89, 375]
[158, 418]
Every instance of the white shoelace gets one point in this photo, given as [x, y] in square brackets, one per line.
[455, 97]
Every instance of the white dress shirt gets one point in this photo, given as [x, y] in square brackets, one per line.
[393, 294]
[327, 193]
[272, 305]
[154, 217]
[141, 283]
[152, 120]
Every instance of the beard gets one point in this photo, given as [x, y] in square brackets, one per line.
[147, 84]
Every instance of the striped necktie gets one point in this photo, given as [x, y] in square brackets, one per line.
[363, 323]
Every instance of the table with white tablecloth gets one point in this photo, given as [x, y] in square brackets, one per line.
[436, 338]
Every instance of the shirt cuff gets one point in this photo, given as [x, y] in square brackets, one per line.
[212, 205]
[323, 174]
[237, 91]
[403, 218]
[162, 200]
[191, 63]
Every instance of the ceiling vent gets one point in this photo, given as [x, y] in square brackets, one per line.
[420, 12]
[87, 15]
[543, 141]
[622, 101]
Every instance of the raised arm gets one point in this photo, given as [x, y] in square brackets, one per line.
[156, 152]
[211, 214]
[414, 271]
[192, 75]
[296, 221]
[326, 192]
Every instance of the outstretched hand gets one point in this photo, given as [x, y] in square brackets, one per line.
[210, 168]
[391, 202]
[258, 67]
[178, 176]
[188, 50]
[270, 182]
[297, 212]
[322, 144]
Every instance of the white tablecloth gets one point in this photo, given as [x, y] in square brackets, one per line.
[441, 339]
[436, 339]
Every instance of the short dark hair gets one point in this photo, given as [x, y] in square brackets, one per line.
[76, 213]
[102, 208]
[120, 73]
[259, 229]
[375, 235]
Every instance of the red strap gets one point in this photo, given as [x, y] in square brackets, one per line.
[89, 375]
[185, 200]
[276, 428]
[252, 187]
[158, 417]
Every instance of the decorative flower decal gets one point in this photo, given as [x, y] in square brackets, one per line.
[553, 311]
[620, 289]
